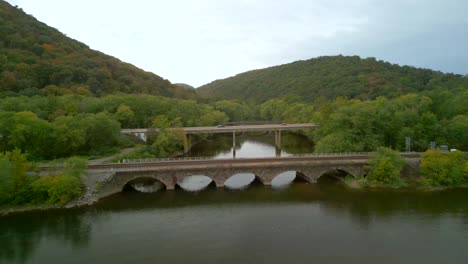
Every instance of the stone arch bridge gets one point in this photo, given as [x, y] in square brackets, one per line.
[114, 177]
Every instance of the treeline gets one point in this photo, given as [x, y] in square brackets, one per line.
[348, 125]
[354, 125]
[61, 126]
[38, 59]
[327, 78]
[438, 169]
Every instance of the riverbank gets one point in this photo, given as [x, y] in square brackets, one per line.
[29, 208]
[416, 184]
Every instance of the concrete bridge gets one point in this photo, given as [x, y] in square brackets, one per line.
[142, 133]
[172, 172]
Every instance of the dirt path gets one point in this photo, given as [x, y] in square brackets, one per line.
[109, 158]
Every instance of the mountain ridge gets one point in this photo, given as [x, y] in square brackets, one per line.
[330, 77]
[35, 55]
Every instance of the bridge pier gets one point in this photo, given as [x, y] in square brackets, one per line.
[140, 135]
[187, 142]
[219, 182]
[278, 143]
[234, 144]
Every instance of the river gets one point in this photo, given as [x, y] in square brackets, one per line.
[287, 223]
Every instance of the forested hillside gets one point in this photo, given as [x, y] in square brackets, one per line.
[38, 59]
[327, 78]
[58, 98]
[49, 127]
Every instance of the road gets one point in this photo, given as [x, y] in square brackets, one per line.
[230, 129]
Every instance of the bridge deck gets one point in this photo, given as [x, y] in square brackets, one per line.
[175, 164]
[230, 129]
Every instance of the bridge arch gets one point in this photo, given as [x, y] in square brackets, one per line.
[240, 180]
[194, 182]
[145, 184]
[170, 175]
[286, 177]
[334, 175]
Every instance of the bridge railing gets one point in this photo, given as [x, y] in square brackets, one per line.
[148, 160]
[151, 160]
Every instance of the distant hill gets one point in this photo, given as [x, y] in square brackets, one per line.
[184, 85]
[184, 91]
[330, 77]
[34, 56]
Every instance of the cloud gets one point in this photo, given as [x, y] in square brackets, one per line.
[199, 41]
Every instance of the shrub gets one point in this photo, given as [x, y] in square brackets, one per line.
[14, 181]
[385, 167]
[75, 167]
[444, 169]
[58, 189]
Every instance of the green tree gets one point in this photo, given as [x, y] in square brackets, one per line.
[458, 132]
[385, 167]
[444, 169]
[15, 184]
[75, 167]
[213, 118]
[338, 142]
[125, 116]
[30, 134]
[57, 189]
[234, 109]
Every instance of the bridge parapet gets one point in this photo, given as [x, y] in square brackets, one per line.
[150, 160]
[265, 170]
[324, 154]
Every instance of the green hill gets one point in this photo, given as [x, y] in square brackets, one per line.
[330, 77]
[34, 56]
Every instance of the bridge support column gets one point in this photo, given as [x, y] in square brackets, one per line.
[169, 181]
[278, 143]
[219, 182]
[187, 142]
[234, 144]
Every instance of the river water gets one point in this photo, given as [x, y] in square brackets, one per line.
[298, 223]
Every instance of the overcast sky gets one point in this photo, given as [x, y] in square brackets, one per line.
[196, 42]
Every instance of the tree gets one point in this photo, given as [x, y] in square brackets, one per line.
[444, 169]
[125, 116]
[213, 118]
[338, 142]
[385, 167]
[15, 184]
[30, 134]
[458, 132]
[75, 167]
[234, 109]
[56, 189]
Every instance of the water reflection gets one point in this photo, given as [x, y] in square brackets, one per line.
[239, 181]
[195, 183]
[148, 188]
[21, 234]
[250, 146]
[177, 226]
[337, 198]
[145, 185]
[283, 180]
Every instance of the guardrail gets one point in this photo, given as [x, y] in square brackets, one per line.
[337, 154]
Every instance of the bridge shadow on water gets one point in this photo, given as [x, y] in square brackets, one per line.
[364, 205]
